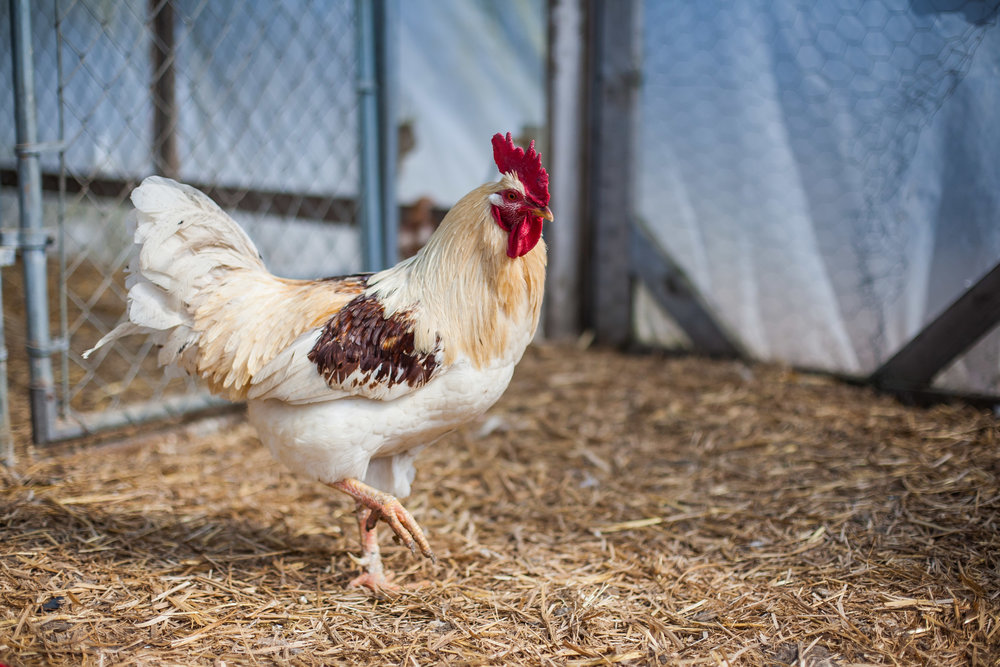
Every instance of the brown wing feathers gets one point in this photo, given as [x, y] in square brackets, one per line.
[361, 341]
[243, 324]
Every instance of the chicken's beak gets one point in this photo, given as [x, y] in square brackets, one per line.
[544, 213]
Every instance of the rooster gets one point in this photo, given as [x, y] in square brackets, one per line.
[346, 379]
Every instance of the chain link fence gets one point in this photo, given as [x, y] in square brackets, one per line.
[255, 103]
[825, 173]
[822, 172]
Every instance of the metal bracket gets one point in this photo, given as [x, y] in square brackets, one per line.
[39, 147]
[26, 239]
[36, 351]
[12, 240]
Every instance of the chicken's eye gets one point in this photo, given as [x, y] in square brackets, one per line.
[511, 196]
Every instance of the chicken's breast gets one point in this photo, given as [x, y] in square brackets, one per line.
[375, 440]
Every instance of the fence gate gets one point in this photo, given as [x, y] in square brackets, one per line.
[261, 105]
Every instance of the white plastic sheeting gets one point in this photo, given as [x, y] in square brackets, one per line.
[828, 174]
[468, 69]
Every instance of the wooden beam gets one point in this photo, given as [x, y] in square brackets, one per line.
[614, 86]
[166, 115]
[272, 202]
[965, 321]
[676, 294]
[567, 116]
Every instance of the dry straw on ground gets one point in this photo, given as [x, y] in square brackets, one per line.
[611, 509]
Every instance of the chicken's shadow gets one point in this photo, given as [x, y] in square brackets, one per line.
[76, 536]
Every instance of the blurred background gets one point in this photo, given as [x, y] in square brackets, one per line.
[799, 182]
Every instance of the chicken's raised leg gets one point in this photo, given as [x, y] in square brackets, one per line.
[373, 505]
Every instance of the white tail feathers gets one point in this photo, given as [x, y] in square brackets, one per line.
[187, 246]
[177, 223]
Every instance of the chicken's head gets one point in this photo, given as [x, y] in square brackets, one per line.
[522, 206]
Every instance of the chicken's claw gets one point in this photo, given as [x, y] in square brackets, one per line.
[389, 509]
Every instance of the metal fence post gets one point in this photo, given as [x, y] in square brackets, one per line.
[387, 77]
[33, 239]
[369, 198]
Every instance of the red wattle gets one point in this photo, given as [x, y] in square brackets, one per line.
[524, 236]
[497, 218]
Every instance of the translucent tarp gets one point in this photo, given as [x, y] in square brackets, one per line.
[826, 173]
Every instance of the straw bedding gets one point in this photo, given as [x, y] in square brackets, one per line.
[611, 509]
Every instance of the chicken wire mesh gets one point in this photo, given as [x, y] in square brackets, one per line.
[255, 103]
[825, 173]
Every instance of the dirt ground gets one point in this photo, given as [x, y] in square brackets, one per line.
[610, 509]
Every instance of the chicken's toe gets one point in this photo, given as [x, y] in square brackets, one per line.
[388, 508]
[377, 582]
[406, 527]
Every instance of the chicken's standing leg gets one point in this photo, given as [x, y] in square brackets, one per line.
[374, 576]
[373, 505]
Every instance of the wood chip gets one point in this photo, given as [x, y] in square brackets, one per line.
[642, 510]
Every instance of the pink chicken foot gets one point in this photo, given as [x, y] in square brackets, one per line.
[372, 505]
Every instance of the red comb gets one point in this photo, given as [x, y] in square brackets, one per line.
[526, 166]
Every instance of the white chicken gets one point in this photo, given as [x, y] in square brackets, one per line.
[347, 378]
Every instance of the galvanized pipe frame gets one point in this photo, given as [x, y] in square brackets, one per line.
[370, 198]
[79, 425]
[376, 26]
[33, 245]
[387, 77]
[378, 216]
